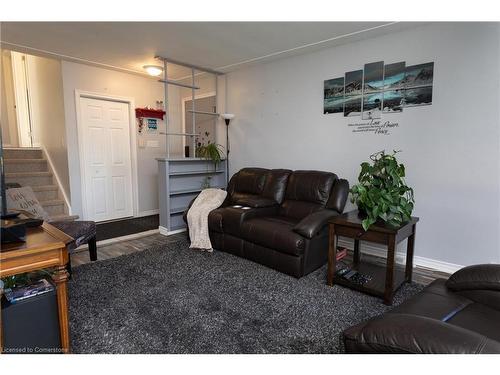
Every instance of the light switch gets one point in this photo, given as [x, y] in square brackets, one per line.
[142, 143]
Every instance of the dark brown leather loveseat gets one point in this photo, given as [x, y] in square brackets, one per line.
[281, 221]
[458, 315]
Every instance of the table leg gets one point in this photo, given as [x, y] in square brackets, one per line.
[1, 332]
[355, 256]
[389, 276]
[409, 255]
[60, 277]
[332, 254]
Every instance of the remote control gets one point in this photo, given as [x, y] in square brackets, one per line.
[350, 274]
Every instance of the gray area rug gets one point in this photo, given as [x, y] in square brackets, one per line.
[170, 299]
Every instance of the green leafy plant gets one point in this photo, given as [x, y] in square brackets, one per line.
[211, 151]
[382, 193]
[25, 278]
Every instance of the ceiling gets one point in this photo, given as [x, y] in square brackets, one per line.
[222, 46]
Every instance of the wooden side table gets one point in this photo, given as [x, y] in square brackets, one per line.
[385, 280]
[45, 247]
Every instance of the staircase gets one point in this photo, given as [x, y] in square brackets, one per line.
[29, 167]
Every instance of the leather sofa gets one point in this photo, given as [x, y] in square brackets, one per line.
[459, 315]
[284, 222]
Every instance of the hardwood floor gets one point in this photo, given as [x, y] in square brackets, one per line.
[113, 250]
[142, 242]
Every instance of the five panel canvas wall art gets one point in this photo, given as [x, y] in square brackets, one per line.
[378, 89]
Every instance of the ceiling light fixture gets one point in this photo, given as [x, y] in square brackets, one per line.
[153, 70]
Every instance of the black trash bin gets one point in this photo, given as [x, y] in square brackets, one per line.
[31, 325]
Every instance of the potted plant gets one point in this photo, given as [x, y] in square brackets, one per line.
[382, 193]
[213, 152]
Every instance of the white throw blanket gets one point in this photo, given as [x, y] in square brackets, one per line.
[197, 217]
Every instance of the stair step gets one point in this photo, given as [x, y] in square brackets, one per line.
[30, 178]
[46, 195]
[44, 188]
[63, 218]
[53, 202]
[22, 153]
[53, 207]
[25, 165]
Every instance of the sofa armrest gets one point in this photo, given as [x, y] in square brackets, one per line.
[255, 201]
[313, 223]
[405, 333]
[478, 277]
[233, 218]
[338, 196]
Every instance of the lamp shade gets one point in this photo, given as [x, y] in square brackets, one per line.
[153, 70]
[227, 116]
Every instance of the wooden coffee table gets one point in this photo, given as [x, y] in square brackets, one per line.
[385, 279]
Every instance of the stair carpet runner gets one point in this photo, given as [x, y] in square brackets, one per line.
[28, 167]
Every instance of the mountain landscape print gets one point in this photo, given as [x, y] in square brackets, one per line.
[372, 106]
[352, 105]
[419, 75]
[418, 96]
[353, 83]
[394, 76]
[394, 101]
[374, 77]
[334, 95]
[379, 88]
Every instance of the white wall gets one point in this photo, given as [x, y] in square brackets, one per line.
[145, 92]
[46, 93]
[450, 149]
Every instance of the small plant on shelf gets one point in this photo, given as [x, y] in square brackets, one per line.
[382, 193]
[206, 182]
[212, 152]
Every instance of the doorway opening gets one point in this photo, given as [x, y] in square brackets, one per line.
[204, 124]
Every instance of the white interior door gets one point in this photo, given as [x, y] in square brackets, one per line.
[24, 116]
[105, 128]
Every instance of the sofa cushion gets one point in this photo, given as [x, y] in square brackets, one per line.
[306, 192]
[298, 209]
[250, 180]
[274, 232]
[310, 186]
[233, 218]
[435, 302]
[478, 318]
[276, 183]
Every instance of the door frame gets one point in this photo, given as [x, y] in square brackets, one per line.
[22, 96]
[183, 117]
[133, 141]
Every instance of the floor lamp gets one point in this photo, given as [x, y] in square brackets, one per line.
[227, 119]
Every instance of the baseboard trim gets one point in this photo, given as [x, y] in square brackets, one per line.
[164, 231]
[418, 261]
[119, 239]
[147, 213]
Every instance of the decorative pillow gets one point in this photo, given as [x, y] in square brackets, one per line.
[24, 199]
